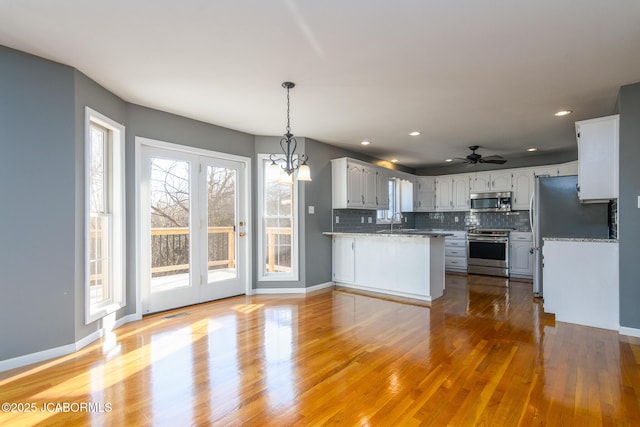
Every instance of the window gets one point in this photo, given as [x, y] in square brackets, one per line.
[278, 225]
[104, 216]
[385, 216]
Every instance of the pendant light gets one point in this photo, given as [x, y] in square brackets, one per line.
[289, 145]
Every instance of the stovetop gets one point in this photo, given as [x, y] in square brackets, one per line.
[490, 231]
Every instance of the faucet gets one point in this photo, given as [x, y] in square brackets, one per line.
[393, 216]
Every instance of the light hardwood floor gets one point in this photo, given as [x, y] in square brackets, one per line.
[484, 354]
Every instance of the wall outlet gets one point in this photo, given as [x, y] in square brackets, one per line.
[312, 210]
[455, 219]
[337, 219]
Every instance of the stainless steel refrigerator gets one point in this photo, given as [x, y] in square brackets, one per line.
[556, 211]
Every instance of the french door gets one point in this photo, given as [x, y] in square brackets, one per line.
[193, 228]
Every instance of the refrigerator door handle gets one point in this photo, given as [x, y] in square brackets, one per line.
[533, 233]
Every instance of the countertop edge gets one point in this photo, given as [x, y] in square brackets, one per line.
[579, 240]
[400, 234]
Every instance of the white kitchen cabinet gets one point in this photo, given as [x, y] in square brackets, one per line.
[452, 192]
[382, 189]
[551, 170]
[520, 254]
[598, 154]
[570, 168]
[444, 193]
[425, 194]
[406, 194]
[354, 184]
[522, 180]
[455, 251]
[344, 259]
[581, 282]
[491, 181]
[460, 197]
[369, 190]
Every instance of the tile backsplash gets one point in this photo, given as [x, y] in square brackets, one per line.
[358, 220]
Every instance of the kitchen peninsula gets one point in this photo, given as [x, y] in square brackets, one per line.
[407, 263]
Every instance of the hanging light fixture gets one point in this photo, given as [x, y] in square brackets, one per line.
[289, 145]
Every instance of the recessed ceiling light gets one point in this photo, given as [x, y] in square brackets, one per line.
[532, 149]
[366, 143]
[415, 133]
[394, 160]
[449, 160]
[563, 113]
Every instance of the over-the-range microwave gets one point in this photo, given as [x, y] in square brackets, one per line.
[491, 202]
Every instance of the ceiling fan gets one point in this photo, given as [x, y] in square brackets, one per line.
[475, 158]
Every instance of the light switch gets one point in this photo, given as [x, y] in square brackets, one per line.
[361, 220]
[370, 220]
[337, 219]
[638, 202]
[312, 210]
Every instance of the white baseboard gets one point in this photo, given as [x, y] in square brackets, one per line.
[265, 291]
[52, 353]
[632, 332]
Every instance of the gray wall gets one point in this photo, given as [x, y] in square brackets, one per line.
[628, 212]
[38, 204]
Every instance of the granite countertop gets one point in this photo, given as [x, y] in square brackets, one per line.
[578, 239]
[387, 233]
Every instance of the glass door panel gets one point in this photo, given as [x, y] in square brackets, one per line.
[169, 201]
[221, 223]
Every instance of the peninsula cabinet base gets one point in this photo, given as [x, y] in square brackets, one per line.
[411, 267]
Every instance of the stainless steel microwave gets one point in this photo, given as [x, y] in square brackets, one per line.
[491, 202]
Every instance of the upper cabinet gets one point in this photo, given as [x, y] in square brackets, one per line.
[491, 181]
[598, 153]
[522, 187]
[452, 192]
[382, 189]
[354, 184]
[425, 194]
[570, 168]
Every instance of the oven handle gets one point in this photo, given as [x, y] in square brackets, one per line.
[489, 239]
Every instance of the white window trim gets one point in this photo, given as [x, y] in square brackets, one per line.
[118, 245]
[386, 219]
[263, 276]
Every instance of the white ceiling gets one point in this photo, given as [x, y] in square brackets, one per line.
[466, 72]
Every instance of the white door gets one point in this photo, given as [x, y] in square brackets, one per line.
[193, 228]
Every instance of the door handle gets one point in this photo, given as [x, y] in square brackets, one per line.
[242, 234]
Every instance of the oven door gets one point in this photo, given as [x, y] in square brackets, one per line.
[488, 251]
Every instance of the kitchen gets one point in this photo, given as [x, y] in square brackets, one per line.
[497, 223]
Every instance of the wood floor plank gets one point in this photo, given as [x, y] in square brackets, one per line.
[483, 354]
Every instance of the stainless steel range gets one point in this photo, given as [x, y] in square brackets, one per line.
[488, 251]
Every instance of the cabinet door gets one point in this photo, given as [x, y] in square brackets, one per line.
[570, 168]
[460, 199]
[444, 193]
[521, 262]
[382, 190]
[545, 170]
[370, 179]
[344, 259]
[598, 158]
[501, 181]
[355, 185]
[522, 180]
[480, 182]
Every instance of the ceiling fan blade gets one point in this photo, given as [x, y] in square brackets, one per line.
[494, 157]
[495, 161]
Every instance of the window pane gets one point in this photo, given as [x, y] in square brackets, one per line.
[277, 221]
[99, 277]
[97, 169]
[221, 214]
[170, 205]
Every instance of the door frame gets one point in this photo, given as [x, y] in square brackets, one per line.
[246, 252]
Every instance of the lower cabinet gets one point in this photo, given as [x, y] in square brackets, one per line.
[344, 266]
[455, 251]
[520, 255]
